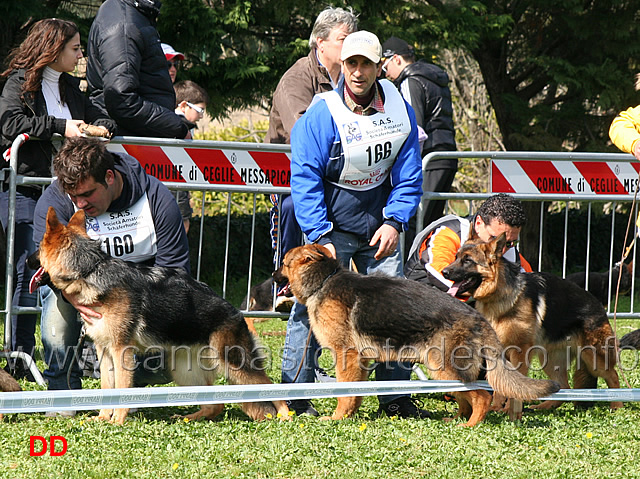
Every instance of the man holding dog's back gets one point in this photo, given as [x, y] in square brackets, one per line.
[133, 215]
[356, 179]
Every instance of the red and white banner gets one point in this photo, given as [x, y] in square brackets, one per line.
[205, 166]
[564, 177]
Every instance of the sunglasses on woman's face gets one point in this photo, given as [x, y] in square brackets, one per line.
[175, 65]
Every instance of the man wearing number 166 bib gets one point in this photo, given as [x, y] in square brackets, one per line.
[356, 180]
[134, 216]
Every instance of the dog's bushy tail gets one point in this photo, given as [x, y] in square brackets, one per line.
[631, 340]
[8, 383]
[245, 364]
[506, 380]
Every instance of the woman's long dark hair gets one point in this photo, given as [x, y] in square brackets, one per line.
[45, 41]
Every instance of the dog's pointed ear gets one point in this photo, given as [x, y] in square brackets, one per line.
[499, 244]
[52, 220]
[77, 221]
[315, 252]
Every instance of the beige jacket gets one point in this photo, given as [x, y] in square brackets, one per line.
[293, 95]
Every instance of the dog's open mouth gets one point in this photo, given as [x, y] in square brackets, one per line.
[38, 279]
[285, 291]
[464, 288]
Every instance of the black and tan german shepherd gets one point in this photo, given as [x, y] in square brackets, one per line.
[362, 318]
[537, 314]
[146, 307]
[599, 281]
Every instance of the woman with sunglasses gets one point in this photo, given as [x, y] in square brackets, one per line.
[40, 99]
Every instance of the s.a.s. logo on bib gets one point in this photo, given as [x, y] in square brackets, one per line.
[352, 131]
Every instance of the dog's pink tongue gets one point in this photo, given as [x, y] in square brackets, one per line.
[285, 291]
[453, 290]
[35, 280]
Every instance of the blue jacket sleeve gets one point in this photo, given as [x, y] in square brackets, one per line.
[173, 245]
[60, 202]
[311, 140]
[406, 178]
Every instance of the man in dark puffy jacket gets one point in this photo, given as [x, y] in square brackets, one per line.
[425, 87]
[127, 71]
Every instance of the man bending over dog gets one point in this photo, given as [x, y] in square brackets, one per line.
[134, 216]
[436, 246]
[356, 179]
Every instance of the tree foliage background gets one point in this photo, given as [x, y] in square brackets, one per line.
[527, 74]
[555, 71]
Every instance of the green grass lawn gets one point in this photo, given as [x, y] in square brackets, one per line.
[567, 442]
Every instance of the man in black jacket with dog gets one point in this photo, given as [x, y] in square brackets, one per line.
[127, 71]
[425, 87]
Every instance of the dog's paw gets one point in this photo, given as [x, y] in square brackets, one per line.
[103, 415]
[119, 416]
[546, 405]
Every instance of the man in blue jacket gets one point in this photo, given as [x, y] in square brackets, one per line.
[124, 206]
[356, 179]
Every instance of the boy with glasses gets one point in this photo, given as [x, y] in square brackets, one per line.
[191, 103]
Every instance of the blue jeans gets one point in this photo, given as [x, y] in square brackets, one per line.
[60, 327]
[23, 326]
[290, 232]
[347, 247]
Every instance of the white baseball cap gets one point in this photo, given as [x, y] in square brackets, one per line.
[362, 43]
[170, 53]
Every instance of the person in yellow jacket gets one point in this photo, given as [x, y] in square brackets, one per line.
[625, 131]
[435, 247]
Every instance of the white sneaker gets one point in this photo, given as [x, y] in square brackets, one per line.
[67, 413]
[323, 377]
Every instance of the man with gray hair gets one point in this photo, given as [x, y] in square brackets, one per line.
[318, 72]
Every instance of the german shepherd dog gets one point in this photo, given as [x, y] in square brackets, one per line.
[537, 313]
[362, 318]
[599, 282]
[146, 307]
[631, 340]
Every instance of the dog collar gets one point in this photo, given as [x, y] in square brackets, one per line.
[326, 279]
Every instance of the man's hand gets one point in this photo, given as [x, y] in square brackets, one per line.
[86, 312]
[332, 250]
[388, 236]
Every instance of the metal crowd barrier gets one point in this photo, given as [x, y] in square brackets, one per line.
[8, 288]
[628, 175]
[238, 167]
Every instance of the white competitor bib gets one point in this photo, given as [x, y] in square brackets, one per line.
[370, 143]
[129, 235]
